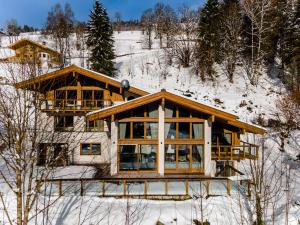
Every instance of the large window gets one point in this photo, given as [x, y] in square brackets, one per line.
[63, 123]
[137, 157]
[184, 130]
[138, 130]
[90, 149]
[184, 157]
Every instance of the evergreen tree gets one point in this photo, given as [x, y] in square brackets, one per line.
[209, 39]
[100, 41]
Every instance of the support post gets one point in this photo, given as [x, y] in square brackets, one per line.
[114, 148]
[161, 140]
[207, 149]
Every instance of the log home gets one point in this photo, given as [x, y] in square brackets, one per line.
[27, 50]
[135, 133]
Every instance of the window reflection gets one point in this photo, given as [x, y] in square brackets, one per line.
[137, 157]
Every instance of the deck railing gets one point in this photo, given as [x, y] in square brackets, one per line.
[155, 188]
[235, 152]
[73, 105]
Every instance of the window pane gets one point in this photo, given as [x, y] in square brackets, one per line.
[152, 131]
[87, 95]
[60, 94]
[184, 112]
[124, 130]
[71, 94]
[198, 159]
[170, 130]
[98, 95]
[170, 110]
[228, 138]
[197, 131]
[152, 110]
[69, 121]
[90, 126]
[59, 122]
[148, 157]
[139, 112]
[138, 130]
[96, 149]
[128, 157]
[184, 130]
[170, 156]
[85, 149]
[99, 125]
[183, 156]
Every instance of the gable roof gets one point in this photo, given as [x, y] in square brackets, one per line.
[183, 101]
[25, 41]
[28, 84]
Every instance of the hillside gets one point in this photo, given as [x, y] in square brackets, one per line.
[148, 70]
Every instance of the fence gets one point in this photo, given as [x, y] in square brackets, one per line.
[142, 188]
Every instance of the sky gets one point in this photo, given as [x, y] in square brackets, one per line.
[34, 12]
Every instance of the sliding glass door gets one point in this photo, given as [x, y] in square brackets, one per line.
[138, 157]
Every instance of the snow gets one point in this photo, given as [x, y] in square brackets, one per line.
[148, 70]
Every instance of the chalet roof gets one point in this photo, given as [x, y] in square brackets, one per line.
[29, 84]
[25, 41]
[231, 119]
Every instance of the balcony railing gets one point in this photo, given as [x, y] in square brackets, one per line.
[73, 105]
[234, 152]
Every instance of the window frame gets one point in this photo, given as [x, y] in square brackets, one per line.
[90, 148]
[63, 129]
[101, 129]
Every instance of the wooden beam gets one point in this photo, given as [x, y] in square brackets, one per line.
[211, 118]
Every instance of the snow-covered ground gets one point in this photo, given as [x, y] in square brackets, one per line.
[148, 70]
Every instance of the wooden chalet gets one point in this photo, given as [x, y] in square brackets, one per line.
[27, 50]
[136, 133]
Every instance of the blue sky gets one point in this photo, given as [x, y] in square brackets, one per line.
[34, 12]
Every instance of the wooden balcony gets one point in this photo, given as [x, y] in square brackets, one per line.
[234, 152]
[73, 105]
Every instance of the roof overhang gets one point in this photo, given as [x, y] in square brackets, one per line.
[183, 101]
[31, 84]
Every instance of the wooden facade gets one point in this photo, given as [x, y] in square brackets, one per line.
[160, 134]
[183, 153]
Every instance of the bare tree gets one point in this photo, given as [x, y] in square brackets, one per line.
[13, 30]
[59, 25]
[147, 21]
[266, 177]
[80, 28]
[231, 29]
[118, 22]
[287, 117]
[183, 45]
[256, 12]
[23, 127]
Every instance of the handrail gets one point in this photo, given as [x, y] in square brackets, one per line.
[74, 104]
[245, 150]
[144, 184]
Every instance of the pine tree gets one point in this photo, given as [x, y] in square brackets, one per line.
[209, 39]
[100, 41]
